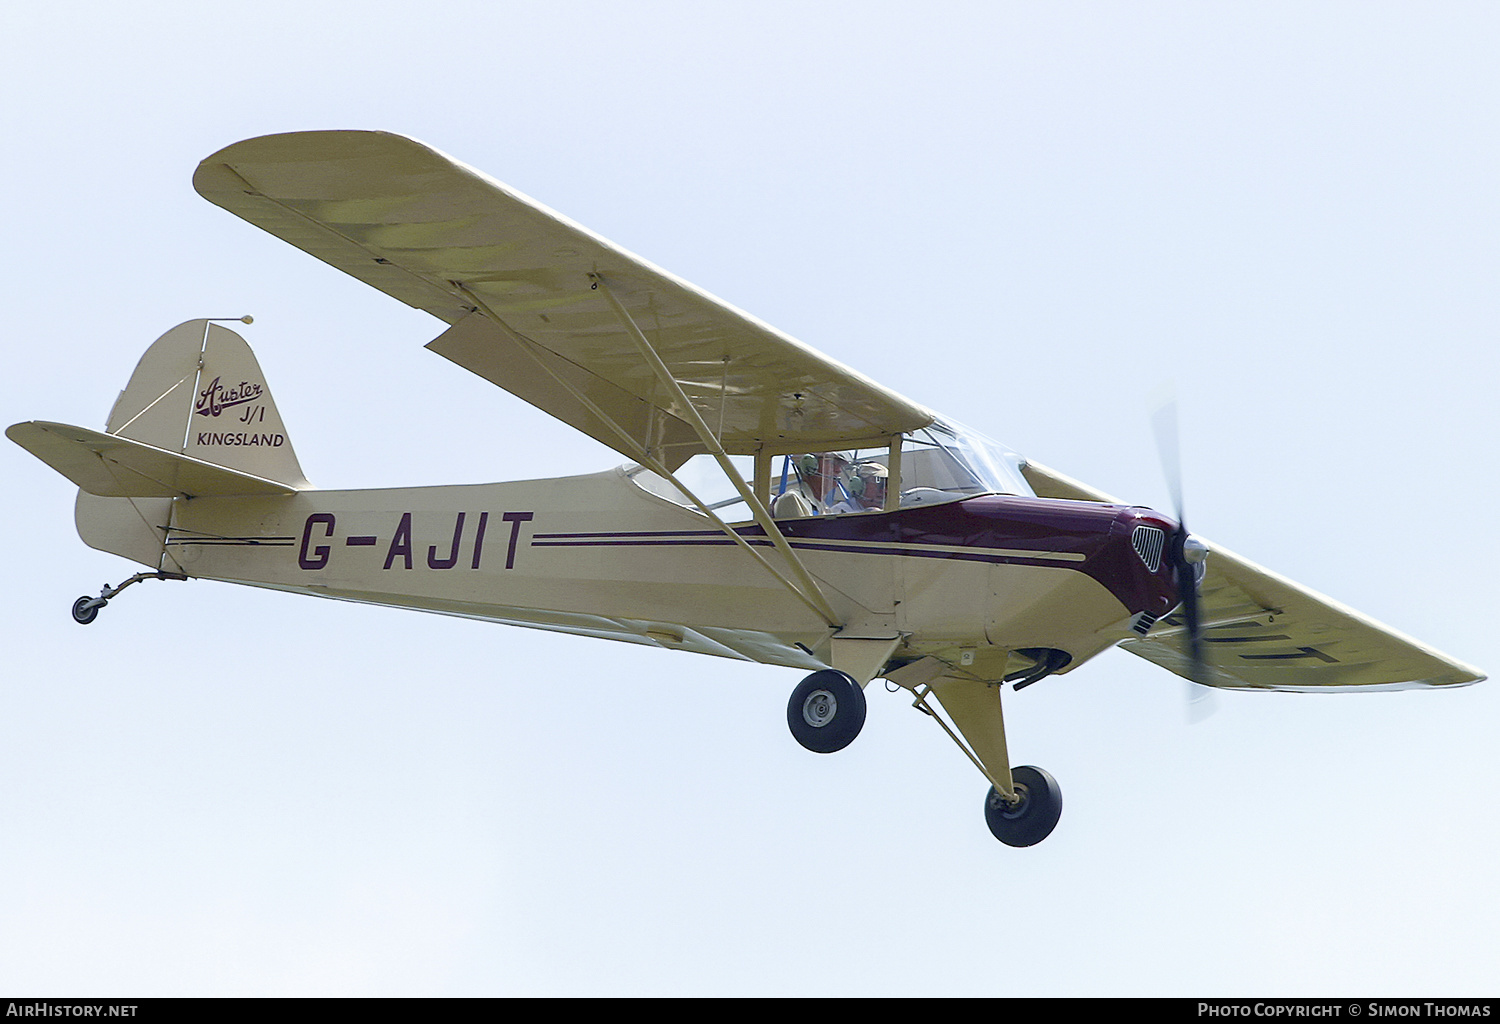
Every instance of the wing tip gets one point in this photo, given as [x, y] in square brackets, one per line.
[215, 173]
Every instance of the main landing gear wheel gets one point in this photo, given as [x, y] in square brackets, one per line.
[1032, 819]
[826, 711]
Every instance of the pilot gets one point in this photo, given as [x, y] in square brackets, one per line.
[832, 479]
[828, 481]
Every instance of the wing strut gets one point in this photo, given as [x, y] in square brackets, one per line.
[813, 594]
[814, 601]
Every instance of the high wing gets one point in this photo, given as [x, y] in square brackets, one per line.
[531, 299]
[1262, 631]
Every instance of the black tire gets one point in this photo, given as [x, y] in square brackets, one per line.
[1034, 818]
[85, 610]
[826, 711]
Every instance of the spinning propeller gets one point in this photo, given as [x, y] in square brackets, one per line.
[1186, 553]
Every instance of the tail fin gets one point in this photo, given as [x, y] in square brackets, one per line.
[195, 419]
[199, 391]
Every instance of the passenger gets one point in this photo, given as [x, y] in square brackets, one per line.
[871, 477]
[865, 491]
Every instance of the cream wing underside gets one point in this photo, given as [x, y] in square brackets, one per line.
[1263, 631]
[517, 283]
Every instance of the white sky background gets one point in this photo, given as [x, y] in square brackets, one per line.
[1028, 216]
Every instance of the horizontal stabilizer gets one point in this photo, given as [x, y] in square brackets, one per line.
[117, 467]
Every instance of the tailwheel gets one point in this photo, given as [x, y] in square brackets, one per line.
[86, 609]
[1033, 816]
[826, 711]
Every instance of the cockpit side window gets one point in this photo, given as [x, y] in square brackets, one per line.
[939, 463]
[704, 477]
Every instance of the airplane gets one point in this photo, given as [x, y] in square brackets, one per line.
[847, 532]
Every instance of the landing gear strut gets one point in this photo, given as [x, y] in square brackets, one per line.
[1024, 803]
[826, 711]
[86, 609]
[1034, 814]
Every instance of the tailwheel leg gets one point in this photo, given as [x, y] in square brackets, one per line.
[86, 609]
[1032, 816]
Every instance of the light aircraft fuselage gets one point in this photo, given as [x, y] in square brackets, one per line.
[986, 575]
